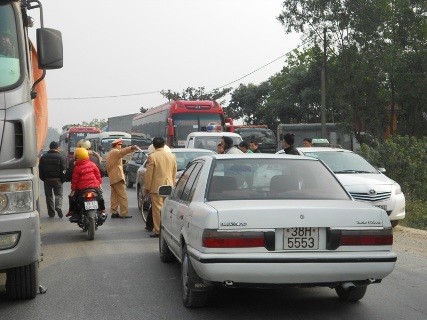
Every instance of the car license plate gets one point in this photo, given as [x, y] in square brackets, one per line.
[381, 206]
[301, 239]
[91, 205]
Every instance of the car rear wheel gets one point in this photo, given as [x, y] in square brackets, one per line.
[165, 253]
[22, 282]
[351, 294]
[189, 278]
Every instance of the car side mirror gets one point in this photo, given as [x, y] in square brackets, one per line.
[382, 170]
[165, 191]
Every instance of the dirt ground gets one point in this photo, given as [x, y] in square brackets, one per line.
[410, 240]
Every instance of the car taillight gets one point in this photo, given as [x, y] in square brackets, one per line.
[376, 237]
[224, 239]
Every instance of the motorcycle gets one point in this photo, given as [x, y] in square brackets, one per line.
[86, 212]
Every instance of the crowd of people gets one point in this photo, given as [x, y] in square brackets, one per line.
[85, 172]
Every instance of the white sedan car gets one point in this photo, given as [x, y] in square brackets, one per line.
[364, 182]
[271, 220]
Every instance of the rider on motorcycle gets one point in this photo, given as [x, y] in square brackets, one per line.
[86, 175]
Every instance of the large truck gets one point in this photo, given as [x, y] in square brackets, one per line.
[121, 123]
[23, 130]
[335, 137]
[175, 120]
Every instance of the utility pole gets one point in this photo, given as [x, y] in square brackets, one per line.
[323, 88]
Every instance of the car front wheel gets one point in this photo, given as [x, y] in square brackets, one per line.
[191, 298]
[351, 294]
[129, 183]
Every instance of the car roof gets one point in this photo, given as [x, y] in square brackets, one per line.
[179, 150]
[260, 156]
[215, 134]
[322, 149]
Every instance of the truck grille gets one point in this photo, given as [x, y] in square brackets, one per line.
[19, 140]
[380, 196]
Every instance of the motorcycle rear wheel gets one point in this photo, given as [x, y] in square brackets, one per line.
[91, 225]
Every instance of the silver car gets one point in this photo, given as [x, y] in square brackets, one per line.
[271, 220]
[364, 182]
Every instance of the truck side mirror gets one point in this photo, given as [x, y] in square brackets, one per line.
[49, 48]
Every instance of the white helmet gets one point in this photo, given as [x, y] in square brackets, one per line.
[151, 149]
[84, 144]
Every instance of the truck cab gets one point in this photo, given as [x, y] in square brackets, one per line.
[22, 133]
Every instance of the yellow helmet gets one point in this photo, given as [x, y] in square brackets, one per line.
[81, 154]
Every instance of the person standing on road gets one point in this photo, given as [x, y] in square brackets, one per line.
[114, 165]
[52, 173]
[161, 170]
[288, 144]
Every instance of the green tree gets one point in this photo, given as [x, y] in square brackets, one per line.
[99, 123]
[376, 58]
[196, 94]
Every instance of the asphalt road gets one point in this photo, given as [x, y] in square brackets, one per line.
[119, 276]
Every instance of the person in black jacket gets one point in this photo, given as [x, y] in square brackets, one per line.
[51, 172]
[288, 144]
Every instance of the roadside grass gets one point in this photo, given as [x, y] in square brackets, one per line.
[416, 214]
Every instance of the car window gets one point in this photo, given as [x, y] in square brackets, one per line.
[135, 156]
[183, 158]
[179, 189]
[343, 162]
[189, 188]
[260, 178]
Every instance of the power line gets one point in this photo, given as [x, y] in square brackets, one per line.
[151, 92]
[246, 75]
[104, 97]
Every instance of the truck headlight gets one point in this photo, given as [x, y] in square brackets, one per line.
[16, 197]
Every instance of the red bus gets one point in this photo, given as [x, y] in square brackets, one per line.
[69, 138]
[174, 120]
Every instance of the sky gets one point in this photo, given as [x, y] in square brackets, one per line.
[119, 55]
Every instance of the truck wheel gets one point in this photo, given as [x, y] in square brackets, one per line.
[165, 253]
[189, 278]
[129, 183]
[394, 223]
[22, 282]
[351, 294]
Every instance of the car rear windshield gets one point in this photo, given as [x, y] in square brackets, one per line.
[261, 178]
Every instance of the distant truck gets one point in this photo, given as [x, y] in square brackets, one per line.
[121, 123]
[314, 131]
[23, 130]
[101, 143]
[264, 136]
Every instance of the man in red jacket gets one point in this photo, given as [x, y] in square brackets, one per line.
[86, 175]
